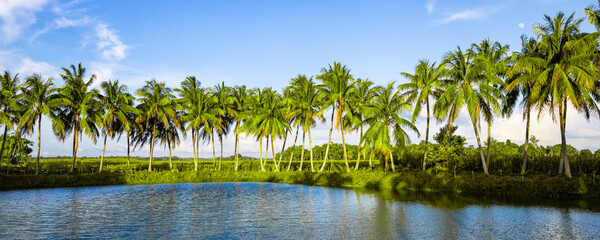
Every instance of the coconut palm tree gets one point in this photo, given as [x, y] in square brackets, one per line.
[520, 80]
[386, 125]
[80, 110]
[168, 135]
[116, 103]
[271, 120]
[238, 112]
[39, 99]
[337, 89]
[568, 72]
[292, 101]
[468, 87]
[191, 94]
[359, 100]
[9, 92]
[424, 85]
[224, 100]
[593, 14]
[492, 59]
[156, 107]
[257, 103]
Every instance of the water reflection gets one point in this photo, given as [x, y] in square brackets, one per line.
[265, 210]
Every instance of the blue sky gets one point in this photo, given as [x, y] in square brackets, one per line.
[264, 44]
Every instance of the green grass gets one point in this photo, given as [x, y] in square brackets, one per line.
[116, 172]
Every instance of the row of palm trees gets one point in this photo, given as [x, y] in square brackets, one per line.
[555, 69]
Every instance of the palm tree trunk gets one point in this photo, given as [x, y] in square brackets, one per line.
[212, 136]
[260, 159]
[344, 147]
[75, 133]
[274, 158]
[563, 138]
[194, 149]
[152, 146]
[485, 169]
[359, 143]
[293, 146]
[198, 144]
[489, 145]
[266, 152]
[37, 162]
[282, 149]
[392, 161]
[128, 145]
[302, 152]
[526, 141]
[312, 169]
[13, 151]
[237, 137]
[371, 161]
[328, 141]
[3, 141]
[221, 145]
[103, 150]
[170, 162]
[426, 135]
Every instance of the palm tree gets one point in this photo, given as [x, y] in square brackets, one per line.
[593, 14]
[9, 92]
[116, 103]
[80, 109]
[222, 95]
[191, 94]
[292, 101]
[423, 85]
[132, 126]
[385, 122]
[359, 100]
[156, 107]
[38, 96]
[311, 109]
[337, 89]
[568, 72]
[491, 58]
[252, 126]
[468, 87]
[169, 135]
[521, 78]
[238, 112]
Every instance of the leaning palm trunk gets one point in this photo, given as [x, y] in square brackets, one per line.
[392, 161]
[282, 149]
[359, 146]
[311, 151]
[260, 159]
[152, 147]
[302, 152]
[103, 150]
[194, 149]
[344, 147]
[221, 145]
[293, 146]
[485, 169]
[266, 153]
[212, 136]
[426, 136]
[37, 162]
[526, 142]
[489, 145]
[274, 158]
[75, 143]
[128, 144]
[328, 141]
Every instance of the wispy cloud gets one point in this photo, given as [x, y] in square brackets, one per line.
[467, 14]
[64, 22]
[111, 47]
[29, 66]
[430, 6]
[17, 15]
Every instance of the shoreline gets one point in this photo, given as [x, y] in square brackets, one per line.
[474, 184]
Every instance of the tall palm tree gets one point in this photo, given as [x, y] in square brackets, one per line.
[569, 74]
[311, 106]
[9, 92]
[257, 104]
[492, 59]
[116, 103]
[593, 14]
[224, 100]
[168, 135]
[359, 100]
[337, 88]
[80, 109]
[424, 85]
[270, 120]
[520, 80]
[468, 87]
[386, 125]
[238, 112]
[191, 95]
[156, 107]
[39, 97]
[292, 101]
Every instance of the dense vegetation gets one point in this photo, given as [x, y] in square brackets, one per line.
[554, 71]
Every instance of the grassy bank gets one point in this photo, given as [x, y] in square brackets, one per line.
[538, 186]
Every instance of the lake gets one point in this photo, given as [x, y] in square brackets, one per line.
[279, 211]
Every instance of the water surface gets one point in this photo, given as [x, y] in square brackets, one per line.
[276, 211]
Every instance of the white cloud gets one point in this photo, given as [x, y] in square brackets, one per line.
[16, 15]
[109, 44]
[430, 6]
[29, 66]
[467, 14]
[521, 25]
[64, 22]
